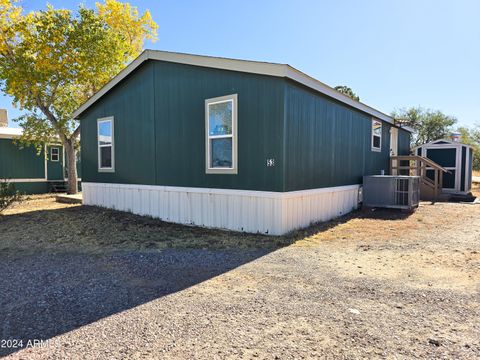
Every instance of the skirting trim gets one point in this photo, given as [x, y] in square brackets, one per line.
[273, 213]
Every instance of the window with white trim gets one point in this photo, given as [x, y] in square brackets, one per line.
[106, 153]
[376, 135]
[221, 135]
[54, 154]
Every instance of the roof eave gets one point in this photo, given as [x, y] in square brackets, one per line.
[121, 75]
[450, 142]
[255, 67]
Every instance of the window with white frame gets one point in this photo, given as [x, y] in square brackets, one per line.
[221, 135]
[106, 153]
[376, 135]
[54, 154]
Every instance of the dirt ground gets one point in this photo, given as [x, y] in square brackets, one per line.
[374, 284]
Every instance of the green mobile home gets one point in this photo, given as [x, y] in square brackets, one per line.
[241, 145]
[32, 173]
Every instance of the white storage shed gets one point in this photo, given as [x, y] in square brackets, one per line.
[453, 156]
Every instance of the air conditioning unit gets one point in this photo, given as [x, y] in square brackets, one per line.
[391, 191]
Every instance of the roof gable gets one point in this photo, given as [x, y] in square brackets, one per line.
[442, 142]
[255, 67]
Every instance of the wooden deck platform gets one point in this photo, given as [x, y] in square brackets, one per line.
[69, 199]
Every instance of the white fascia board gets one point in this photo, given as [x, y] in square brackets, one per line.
[10, 133]
[407, 128]
[121, 75]
[312, 83]
[34, 180]
[254, 67]
[449, 143]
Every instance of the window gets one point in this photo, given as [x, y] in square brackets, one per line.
[376, 135]
[54, 154]
[221, 135]
[106, 153]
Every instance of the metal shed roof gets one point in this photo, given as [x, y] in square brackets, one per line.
[442, 142]
[255, 67]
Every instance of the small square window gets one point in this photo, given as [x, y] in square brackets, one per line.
[54, 154]
[220, 118]
[221, 156]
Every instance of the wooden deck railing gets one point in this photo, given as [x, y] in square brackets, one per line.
[418, 166]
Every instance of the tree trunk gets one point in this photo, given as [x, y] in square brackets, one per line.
[71, 158]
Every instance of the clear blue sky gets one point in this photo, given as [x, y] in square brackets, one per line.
[393, 54]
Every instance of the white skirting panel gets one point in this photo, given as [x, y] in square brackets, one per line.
[272, 213]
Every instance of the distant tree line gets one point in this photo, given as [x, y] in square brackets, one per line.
[345, 90]
[430, 125]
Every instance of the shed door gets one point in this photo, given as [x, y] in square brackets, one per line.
[448, 158]
[55, 163]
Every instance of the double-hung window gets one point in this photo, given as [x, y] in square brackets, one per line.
[106, 153]
[221, 135]
[376, 135]
[54, 154]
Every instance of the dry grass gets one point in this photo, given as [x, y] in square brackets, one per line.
[413, 277]
[476, 172]
[476, 189]
[40, 223]
[388, 245]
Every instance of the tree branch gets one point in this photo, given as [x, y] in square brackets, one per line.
[76, 133]
[53, 120]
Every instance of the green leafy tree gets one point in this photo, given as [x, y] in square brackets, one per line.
[345, 90]
[52, 61]
[8, 194]
[471, 136]
[428, 125]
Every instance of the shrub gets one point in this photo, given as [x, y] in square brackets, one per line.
[8, 194]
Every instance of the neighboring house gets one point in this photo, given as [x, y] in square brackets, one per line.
[453, 156]
[241, 145]
[32, 173]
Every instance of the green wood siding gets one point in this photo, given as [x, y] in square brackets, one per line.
[20, 163]
[131, 104]
[171, 150]
[25, 163]
[33, 187]
[159, 132]
[327, 143]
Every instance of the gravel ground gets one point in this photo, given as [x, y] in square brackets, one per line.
[374, 285]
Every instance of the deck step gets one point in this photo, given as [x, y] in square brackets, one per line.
[462, 198]
[58, 186]
[69, 199]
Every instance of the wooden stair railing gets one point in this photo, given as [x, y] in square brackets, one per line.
[418, 166]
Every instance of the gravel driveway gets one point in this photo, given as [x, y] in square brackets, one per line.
[404, 287]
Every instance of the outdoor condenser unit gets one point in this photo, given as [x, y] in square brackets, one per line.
[391, 191]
